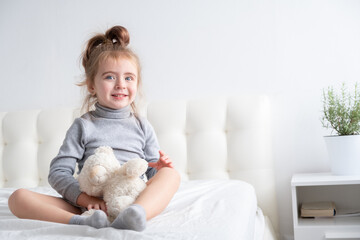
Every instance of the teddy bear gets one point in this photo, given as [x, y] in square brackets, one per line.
[119, 185]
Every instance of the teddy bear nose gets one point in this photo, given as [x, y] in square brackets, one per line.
[98, 175]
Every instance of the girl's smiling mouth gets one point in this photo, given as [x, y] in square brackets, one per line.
[120, 95]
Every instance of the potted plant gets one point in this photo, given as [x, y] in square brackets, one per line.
[341, 113]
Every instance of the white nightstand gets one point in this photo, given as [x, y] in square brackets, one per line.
[343, 190]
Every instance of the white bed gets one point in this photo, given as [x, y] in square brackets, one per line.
[221, 147]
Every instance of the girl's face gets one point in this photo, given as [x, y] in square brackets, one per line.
[115, 83]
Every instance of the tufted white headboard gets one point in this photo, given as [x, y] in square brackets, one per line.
[222, 138]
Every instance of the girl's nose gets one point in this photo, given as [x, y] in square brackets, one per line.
[120, 84]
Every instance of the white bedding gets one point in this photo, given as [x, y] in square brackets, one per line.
[204, 209]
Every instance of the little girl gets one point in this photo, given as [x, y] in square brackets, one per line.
[112, 79]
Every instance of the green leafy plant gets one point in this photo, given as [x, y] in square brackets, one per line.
[341, 111]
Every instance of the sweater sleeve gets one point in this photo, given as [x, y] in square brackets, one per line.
[151, 149]
[62, 167]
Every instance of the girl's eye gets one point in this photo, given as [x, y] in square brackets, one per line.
[128, 78]
[110, 77]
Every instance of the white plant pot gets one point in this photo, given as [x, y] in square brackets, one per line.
[344, 154]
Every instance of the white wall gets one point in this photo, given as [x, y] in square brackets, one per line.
[289, 49]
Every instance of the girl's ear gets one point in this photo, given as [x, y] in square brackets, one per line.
[91, 89]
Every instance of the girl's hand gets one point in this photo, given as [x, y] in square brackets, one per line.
[164, 161]
[90, 202]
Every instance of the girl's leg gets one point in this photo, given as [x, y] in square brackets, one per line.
[31, 205]
[151, 202]
[159, 191]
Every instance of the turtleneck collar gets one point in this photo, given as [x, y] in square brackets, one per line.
[105, 112]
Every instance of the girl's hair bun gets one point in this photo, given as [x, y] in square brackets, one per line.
[118, 35]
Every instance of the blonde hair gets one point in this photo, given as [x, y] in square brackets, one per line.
[112, 44]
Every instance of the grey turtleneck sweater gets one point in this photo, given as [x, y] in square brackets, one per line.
[129, 136]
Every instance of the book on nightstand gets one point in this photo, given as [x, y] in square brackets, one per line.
[318, 209]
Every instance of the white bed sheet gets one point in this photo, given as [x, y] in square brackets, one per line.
[204, 209]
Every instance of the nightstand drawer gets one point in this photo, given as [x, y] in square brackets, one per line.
[342, 235]
[322, 233]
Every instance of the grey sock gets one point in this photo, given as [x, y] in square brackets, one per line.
[97, 220]
[132, 218]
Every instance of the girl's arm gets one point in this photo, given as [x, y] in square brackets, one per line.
[62, 167]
